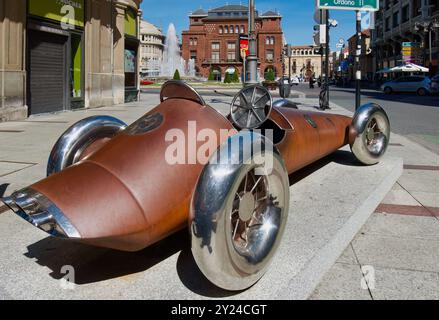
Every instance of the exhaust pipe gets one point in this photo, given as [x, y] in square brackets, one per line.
[36, 209]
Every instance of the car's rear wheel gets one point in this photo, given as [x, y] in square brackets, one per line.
[388, 90]
[239, 211]
[422, 92]
[371, 134]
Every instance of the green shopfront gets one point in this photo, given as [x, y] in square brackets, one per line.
[75, 57]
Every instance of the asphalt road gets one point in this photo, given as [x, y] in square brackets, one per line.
[412, 116]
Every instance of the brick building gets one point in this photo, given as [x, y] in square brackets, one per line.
[213, 40]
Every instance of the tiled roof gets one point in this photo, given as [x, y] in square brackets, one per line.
[232, 7]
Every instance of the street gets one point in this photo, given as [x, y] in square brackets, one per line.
[414, 117]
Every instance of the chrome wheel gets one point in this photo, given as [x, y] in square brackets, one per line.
[372, 134]
[238, 214]
[251, 107]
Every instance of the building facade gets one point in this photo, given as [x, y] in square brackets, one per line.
[151, 49]
[305, 62]
[399, 22]
[367, 57]
[213, 40]
[60, 55]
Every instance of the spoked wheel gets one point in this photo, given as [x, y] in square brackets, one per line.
[238, 214]
[251, 107]
[372, 128]
[255, 210]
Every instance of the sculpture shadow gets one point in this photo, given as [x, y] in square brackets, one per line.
[192, 277]
[3, 188]
[93, 264]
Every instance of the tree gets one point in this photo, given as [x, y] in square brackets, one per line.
[211, 75]
[227, 78]
[269, 75]
[235, 77]
[177, 75]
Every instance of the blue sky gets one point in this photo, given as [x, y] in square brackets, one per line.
[297, 15]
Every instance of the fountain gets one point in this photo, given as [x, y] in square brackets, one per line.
[172, 59]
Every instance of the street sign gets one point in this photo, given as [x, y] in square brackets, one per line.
[339, 45]
[411, 52]
[362, 5]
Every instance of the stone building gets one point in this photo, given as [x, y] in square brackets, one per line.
[305, 62]
[366, 59]
[213, 40]
[60, 55]
[398, 22]
[152, 44]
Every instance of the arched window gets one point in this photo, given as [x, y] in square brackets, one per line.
[231, 29]
[236, 29]
[242, 29]
[195, 41]
[221, 30]
[226, 29]
[272, 40]
[267, 40]
[191, 42]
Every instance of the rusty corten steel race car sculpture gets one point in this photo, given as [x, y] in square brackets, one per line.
[108, 184]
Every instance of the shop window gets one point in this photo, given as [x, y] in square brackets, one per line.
[76, 67]
[130, 66]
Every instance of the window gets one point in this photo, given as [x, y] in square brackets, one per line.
[226, 29]
[231, 56]
[195, 41]
[405, 13]
[191, 42]
[236, 29]
[267, 40]
[395, 19]
[272, 40]
[215, 46]
[416, 8]
[193, 55]
[221, 30]
[270, 55]
[215, 56]
[387, 24]
[242, 29]
[231, 46]
[231, 29]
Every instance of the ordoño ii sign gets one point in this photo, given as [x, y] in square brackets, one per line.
[363, 5]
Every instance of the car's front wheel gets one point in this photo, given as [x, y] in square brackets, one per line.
[388, 90]
[422, 92]
[239, 211]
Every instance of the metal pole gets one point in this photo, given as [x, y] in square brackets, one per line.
[357, 63]
[252, 58]
[326, 106]
[430, 43]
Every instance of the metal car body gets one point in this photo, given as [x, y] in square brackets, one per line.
[110, 185]
[413, 84]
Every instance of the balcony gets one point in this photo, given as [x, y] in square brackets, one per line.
[221, 61]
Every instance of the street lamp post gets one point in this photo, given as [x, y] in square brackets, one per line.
[252, 59]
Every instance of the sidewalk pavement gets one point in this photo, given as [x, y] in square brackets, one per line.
[400, 240]
[396, 252]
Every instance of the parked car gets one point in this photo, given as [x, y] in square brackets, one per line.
[144, 82]
[295, 81]
[435, 84]
[419, 84]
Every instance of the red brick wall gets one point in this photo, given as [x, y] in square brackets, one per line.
[206, 32]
